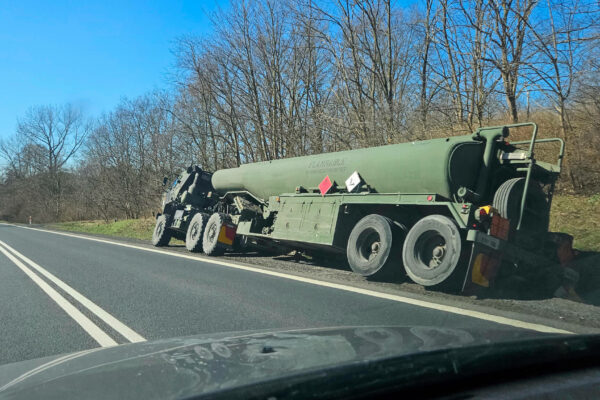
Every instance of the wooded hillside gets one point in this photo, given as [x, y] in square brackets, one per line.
[286, 78]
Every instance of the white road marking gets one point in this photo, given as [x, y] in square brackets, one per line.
[111, 321]
[92, 329]
[401, 299]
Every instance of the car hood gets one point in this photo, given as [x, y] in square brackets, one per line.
[203, 364]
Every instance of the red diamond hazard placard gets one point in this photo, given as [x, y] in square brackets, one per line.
[325, 185]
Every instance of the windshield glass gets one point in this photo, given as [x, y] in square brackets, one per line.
[426, 174]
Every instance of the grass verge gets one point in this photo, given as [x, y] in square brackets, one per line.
[128, 228]
[578, 216]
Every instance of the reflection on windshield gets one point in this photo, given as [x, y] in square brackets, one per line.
[426, 174]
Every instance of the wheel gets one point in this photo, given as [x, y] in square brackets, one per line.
[195, 232]
[373, 246]
[432, 250]
[507, 200]
[210, 243]
[161, 235]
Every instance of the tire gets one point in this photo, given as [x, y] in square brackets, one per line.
[432, 250]
[210, 243]
[507, 200]
[195, 232]
[161, 235]
[373, 244]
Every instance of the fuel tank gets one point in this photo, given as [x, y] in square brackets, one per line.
[437, 166]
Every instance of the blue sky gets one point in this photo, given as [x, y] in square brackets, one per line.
[90, 53]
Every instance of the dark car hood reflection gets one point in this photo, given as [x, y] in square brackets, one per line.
[184, 367]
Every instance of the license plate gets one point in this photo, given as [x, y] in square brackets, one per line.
[489, 241]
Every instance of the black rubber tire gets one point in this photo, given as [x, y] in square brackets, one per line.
[372, 248]
[210, 243]
[430, 235]
[507, 200]
[195, 232]
[161, 235]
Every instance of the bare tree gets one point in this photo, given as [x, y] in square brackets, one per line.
[59, 132]
[428, 26]
[561, 42]
[510, 26]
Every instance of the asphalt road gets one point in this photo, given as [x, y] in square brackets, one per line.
[63, 293]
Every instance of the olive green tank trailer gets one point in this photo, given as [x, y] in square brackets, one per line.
[444, 211]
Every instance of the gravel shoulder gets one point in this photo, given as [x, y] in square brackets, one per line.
[557, 312]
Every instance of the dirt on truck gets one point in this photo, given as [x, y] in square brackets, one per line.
[463, 213]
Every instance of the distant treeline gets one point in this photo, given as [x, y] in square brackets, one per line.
[286, 78]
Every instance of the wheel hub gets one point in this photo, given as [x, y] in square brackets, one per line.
[438, 254]
[432, 249]
[374, 250]
[195, 231]
[212, 232]
[369, 244]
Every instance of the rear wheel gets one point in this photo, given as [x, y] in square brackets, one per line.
[195, 232]
[161, 235]
[432, 250]
[210, 239]
[372, 246]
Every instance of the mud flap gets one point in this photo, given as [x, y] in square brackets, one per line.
[486, 257]
[227, 234]
[484, 264]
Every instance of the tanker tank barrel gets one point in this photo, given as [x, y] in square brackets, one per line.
[437, 166]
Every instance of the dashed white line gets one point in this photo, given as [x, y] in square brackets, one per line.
[111, 321]
[401, 299]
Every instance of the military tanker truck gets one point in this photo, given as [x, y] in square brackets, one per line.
[188, 196]
[440, 211]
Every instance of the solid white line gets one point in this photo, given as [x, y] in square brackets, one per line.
[401, 299]
[111, 321]
[92, 329]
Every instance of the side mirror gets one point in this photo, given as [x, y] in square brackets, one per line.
[165, 181]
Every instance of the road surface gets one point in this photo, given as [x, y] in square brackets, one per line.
[64, 293]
